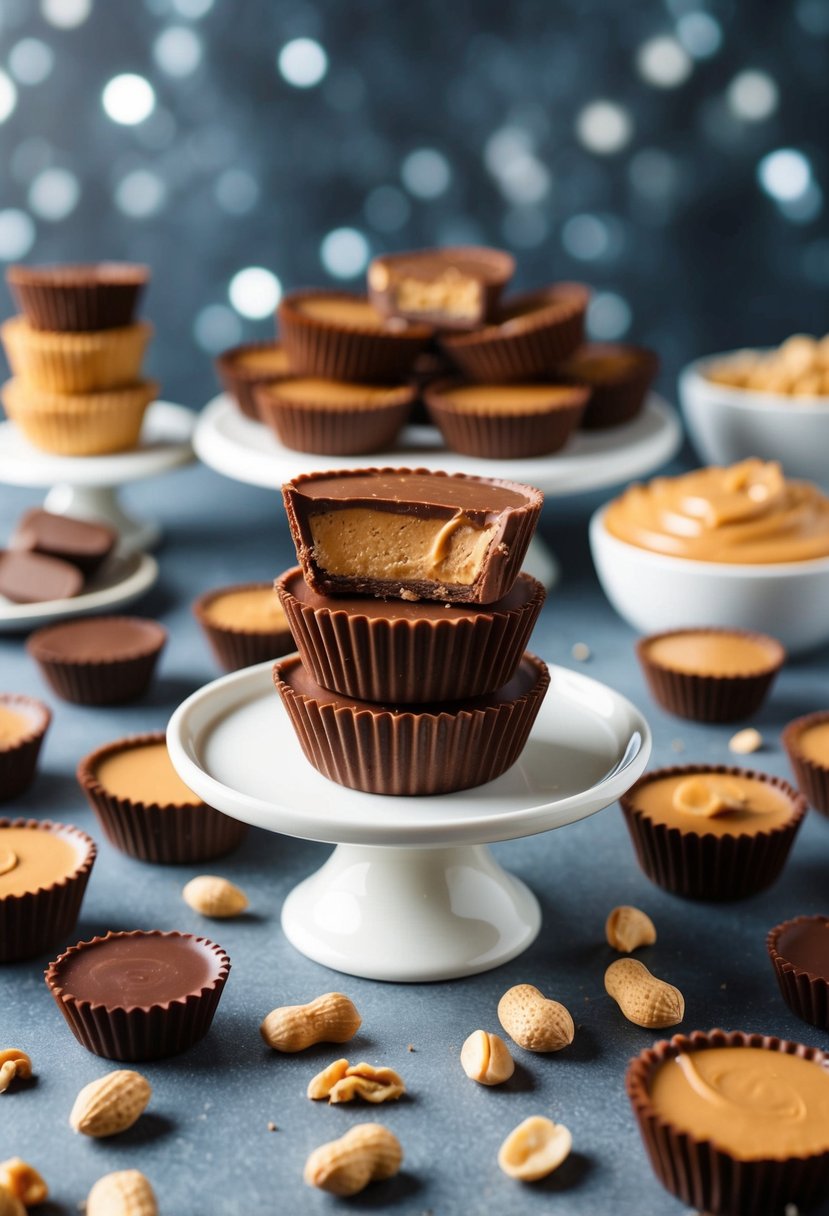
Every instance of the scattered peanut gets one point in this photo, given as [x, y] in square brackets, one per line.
[10, 1205]
[533, 1021]
[534, 1149]
[8, 861]
[321, 1085]
[342, 1082]
[111, 1104]
[23, 1180]
[331, 1018]
[643, 999]
[628, 928]
[485, 1058]
[745, 741]
[216, 897]
[708, 795]
[581, 652]
[124, 1193]
[13, 1063]
[367, 1153]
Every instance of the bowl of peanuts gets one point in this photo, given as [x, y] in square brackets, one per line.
[771, 403]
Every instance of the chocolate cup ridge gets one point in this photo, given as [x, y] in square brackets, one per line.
[235, 648]
[708, 1178]
[616, 402]
[241, 382]
[18, 759]
[70, 298]
[513, 434]
[110, 679]
[140, 1032]
[812, 778]
[34, 921]
[317, 428]
[172, 834]
[805, 992]
[699, 865]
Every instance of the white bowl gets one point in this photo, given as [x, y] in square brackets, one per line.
[655, 592]
[730, 424]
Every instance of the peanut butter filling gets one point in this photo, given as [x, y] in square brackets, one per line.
[144, 773]
[255, 608]
[719, 804]
[338, 394]
[745, 514]
[360, 542]
[507, 398]
[32, 858]
[13, 726]
[336, 310]
[715, 654]
[752, 1102]
[813, 743]
[451, 294]
[263, 358]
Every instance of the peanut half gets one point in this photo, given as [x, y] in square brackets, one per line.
[533, 1021]
[13, 1063]
[643, 999]
[342, 1082]
[111, 1104]
[367, 1153]
[628, 928]
[24, 1182]
[216, 897]
[534, 1149]
[124, 1193]
[485, 1058]
[331, 1018]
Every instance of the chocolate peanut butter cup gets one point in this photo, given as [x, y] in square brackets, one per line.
[101, 295]
[44, 869]
[533, 334]
[75, 362]
[33, 578]
[339, 336]
[416, 751]
[710, 675]
[144, 995]
[244, 624]
[80, 542]
[404, 653]
[712, 832]
[23, 726]
[145, 808]
[452, 288]
[505, 421]
[243, 368]
[807, 742]
[79, 424]
[103, 660]
[618, 377]
[411, 534]
[734, 1124]
[334, 417]
[799, 953]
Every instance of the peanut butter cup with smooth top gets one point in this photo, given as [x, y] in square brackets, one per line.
[334, 417]
[24, 722]
[44, 869]
[807, 743]
[244, 624]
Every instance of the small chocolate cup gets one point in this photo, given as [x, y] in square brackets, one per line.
[700, 865]
[812, 778]
[511, 434]
[32, 922]
[238, 647]
[806, 992]
[102, 295]
[172, 834]
[698, 1172]
[614, 399]
[490, 268]
[241, 379]
[419, 752]
[334, 430]
[18, 759]
[368, 355]
[121, 672]
[535, 332]
[415, 653]
[139, 1032]
[705, 696]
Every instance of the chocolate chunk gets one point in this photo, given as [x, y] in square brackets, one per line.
[86, 545]
[29, 578]
[411, 534]
[452, 288]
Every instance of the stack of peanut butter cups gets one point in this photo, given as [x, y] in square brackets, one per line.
[76, 353]
[411, 616]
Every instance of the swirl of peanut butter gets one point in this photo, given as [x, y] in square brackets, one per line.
[747, 514]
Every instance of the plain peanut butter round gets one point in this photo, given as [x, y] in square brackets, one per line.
[144, 773]
[698, 652]
[249, 609]
[33, 858]
[719, 804]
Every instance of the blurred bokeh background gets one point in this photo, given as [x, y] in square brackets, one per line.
[671, 154]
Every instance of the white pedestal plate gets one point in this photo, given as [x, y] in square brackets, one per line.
[86, 487]
[411, 893]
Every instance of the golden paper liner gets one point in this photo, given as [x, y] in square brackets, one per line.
[75, 362]
[92, 424]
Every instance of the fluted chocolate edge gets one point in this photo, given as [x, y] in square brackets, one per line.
[806, 993]
[812, 778]
[311, 427]
[18, 759]
[62, 304]
[512, 435]
[102, 681]
[236, 647]
[241, 382]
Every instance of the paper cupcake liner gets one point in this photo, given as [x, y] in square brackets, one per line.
[169, 835]
[410, 753]
[806, 994]
[18, 760]
[75, 363]
[812, 778]
[527, 347]
[103, 681]
[325, 431]
[707, 867]
[367, 356]
[79, 425]
[34, 921]
[78, 298]
[512, 435]
[237, 648]
[707, 698]
[404, 661]
[705, 1177]
[140, 1032]
[241, 382]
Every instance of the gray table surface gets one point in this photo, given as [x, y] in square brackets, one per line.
[204, 1141]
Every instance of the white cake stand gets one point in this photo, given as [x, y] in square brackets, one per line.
[248, 451]
[411, 892]
[86, 487]
[122, 579]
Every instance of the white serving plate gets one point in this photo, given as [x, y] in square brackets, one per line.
[122, 579]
